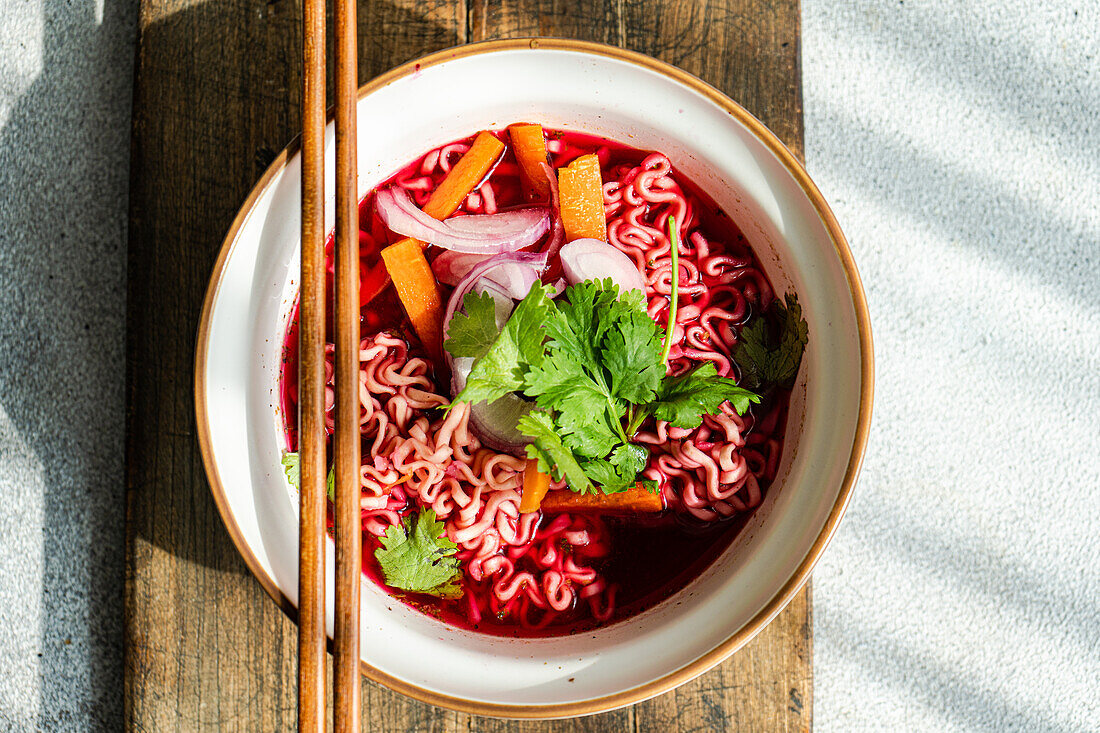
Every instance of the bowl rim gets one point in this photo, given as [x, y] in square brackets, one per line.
[786, 592]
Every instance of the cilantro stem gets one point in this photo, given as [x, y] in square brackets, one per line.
[638, 414]
[674, 244]
[618, 425]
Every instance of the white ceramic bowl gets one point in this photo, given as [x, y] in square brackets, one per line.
[751, 175]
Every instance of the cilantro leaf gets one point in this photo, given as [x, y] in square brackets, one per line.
[620, 471]
[417, 557]
[292, 468]
[584, 405]
[472, 333]
[525, 327]
[552, 453]
[587, 435]
[766, 360]
[792, 343]
[630, 303]
[561, 380]
[593, 363]
[683, 400]
[751, 354]
[577, 325]
[632, 356]
[603, 355]
[521, 342]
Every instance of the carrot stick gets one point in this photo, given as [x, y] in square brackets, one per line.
[408, 268]
[530, 148]
[637, 500]
[464, 176]
[415, 283]
[535, 485]
[580, 192]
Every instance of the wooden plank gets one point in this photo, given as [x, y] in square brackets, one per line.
[204, 650]
[216, 95]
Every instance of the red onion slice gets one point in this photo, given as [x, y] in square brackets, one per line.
[557, 229]
[591, 259]
[515, 279]
[484, 234]
[533, 260]
[450, 267]
[494, 424]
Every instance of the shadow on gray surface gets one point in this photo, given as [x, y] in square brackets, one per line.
[932, 683]
[954, 558]
[63, 188]
[972, 206]
[1006, 65]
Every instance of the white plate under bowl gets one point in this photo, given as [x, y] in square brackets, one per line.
[629, 98]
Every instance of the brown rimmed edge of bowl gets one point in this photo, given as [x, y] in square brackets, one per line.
[793, 584]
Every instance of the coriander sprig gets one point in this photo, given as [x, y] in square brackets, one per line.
[417, 556]
[769, 354]
[592, 361]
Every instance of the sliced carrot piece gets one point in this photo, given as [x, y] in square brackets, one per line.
[464, 176]
[419, 292]
[580, 192]
[408, 268]
[530, 148]
[637, 500]
[535, 485]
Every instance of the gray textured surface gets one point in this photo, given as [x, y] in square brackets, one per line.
[960, 148]
[959, 145]
[65, 87]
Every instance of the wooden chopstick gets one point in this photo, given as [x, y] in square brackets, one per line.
[349, 539]
[311, 380]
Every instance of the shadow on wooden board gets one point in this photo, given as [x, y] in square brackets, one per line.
[216, 98]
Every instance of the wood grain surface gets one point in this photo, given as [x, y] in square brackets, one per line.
[216, 97]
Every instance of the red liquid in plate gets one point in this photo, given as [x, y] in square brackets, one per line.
[652, 557]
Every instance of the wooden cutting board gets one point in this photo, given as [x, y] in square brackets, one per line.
[216, 97]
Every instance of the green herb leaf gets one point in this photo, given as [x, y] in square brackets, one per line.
[632, 356]
[768, 360]
[418, 558]
[553, 457]
[792, 342]
[291, 463]
[683, 400]
[751, 354]
[618, 472]
[561, 381]
[500, 369]
[584, 406]
[593, 363]
[581, 317]
[472, 332]
[292, 467]
[589, 435]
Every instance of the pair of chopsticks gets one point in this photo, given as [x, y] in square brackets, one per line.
[311, 377]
